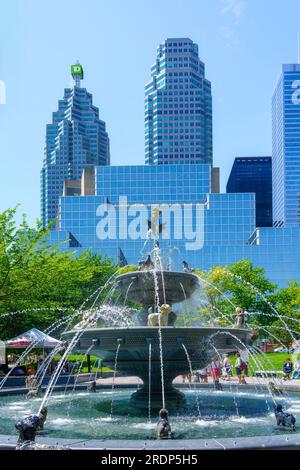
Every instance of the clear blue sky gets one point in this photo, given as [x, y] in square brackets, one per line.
[242, 42]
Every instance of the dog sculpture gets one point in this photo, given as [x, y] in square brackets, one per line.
[284, 419]
[27, 428]
[146, 265]
[34, 392]
[31, 382]
[186, 268]
[160, 318]
[274, 390]
[240, 318]
[218, 385]
[92, 386]
[163, 428]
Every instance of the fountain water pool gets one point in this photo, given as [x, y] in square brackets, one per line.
[88, 415]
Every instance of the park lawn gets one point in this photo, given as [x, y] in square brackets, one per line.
[268, 361]
[82, 357]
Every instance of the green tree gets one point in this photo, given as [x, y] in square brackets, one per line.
[35, 275]
[274, 312]
[287, 303]
[239, 284]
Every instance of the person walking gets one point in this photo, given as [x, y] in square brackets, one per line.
[226, 370]
[296, 371]
[215, 367]
[238, 367]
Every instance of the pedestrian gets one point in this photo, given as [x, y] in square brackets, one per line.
[226, 370]
[240, 318]
[296, 371]
[287, 369]
[203, 374]
[238, 367]
[216, 368]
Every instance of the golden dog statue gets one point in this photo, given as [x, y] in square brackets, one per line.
[160, 318]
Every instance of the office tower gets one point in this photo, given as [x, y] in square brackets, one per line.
[254, 175]
[286, 147]
[204, 229]
[75, 139]
[178, 107]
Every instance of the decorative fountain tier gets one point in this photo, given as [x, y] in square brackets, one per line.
[133, 356]
[169, 343]
[141, 287]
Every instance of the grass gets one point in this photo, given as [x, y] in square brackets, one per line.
[81, 358]
[269, 361]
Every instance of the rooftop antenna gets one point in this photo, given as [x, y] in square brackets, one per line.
[77, 73]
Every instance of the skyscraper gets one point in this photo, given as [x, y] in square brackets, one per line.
[286, 146]
[178, 106]
[254, 175]
[75, 139]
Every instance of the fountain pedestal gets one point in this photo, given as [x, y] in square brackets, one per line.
[145, 287]
[173, 396]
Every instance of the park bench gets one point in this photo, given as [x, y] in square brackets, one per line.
[268, 373]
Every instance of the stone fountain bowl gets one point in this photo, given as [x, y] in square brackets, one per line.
[173, 287]
[133, 355]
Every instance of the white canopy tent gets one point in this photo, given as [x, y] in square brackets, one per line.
[30, 337]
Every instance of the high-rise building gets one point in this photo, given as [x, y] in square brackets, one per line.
[286, 146]
[254, 175]
[75, 139]
[178, 106]
[117, 204]
[116, 211]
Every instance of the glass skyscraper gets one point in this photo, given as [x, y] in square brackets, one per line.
[203, 229]
[286, 147]
[112, 210]
[75, 139]
[178, 106]
[254, 175]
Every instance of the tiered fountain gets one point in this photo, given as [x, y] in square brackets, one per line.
[146, 328]
[168, 346]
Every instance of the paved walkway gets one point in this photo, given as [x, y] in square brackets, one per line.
[254, 381]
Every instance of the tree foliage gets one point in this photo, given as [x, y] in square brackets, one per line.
[273, 312]
[35, 275]
[41, 280]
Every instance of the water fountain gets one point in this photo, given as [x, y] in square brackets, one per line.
[150, 326]
[169, 344]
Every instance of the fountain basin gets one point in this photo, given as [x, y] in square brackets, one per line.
[88, 417]
[133, 356]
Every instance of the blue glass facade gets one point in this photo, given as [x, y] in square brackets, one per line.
[178, 107]
[152, 185]
[286, 147]
[75, 139]
[203, 229]
[254, 175]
